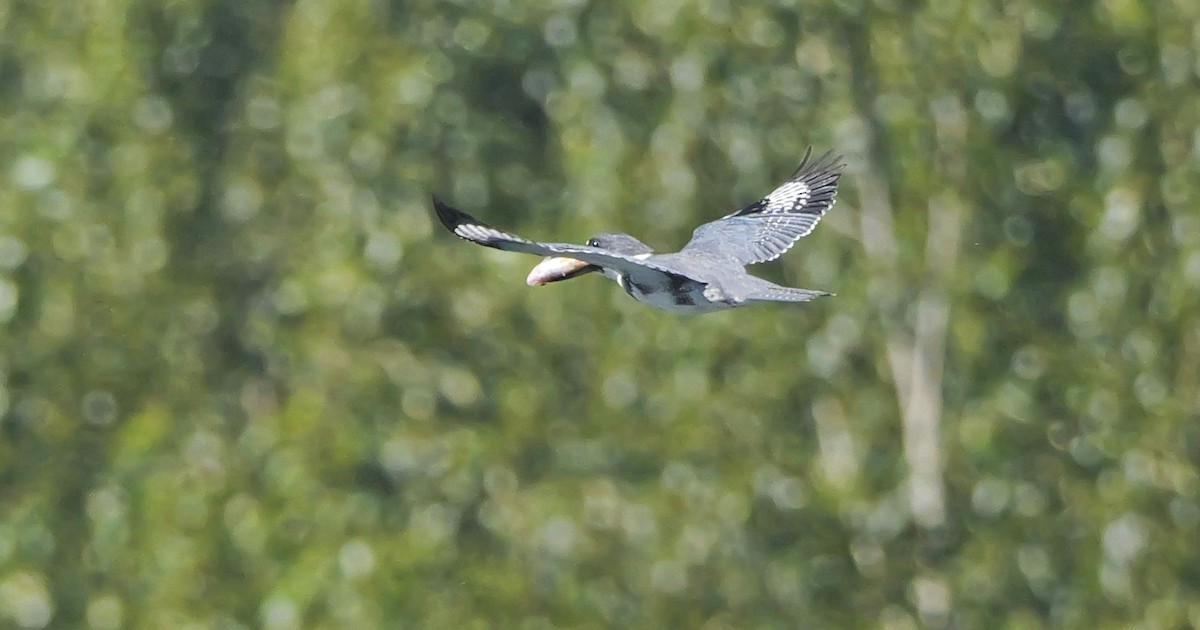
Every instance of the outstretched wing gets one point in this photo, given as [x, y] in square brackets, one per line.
[471, 229]
[767, 228]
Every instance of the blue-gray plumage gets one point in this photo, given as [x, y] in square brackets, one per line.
[708, 274]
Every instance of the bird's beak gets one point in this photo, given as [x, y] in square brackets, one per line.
[558, 268]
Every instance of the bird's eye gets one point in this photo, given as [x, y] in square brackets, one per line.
[593, 242]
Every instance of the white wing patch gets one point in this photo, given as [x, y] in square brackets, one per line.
[484, 234]
[780, 232]
[788, 198]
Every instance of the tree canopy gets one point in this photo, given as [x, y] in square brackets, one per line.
[247, 381]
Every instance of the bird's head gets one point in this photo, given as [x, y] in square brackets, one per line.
[556, 268]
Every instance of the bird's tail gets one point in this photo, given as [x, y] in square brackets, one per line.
[786, 294]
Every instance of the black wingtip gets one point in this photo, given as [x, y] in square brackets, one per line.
[822, 173]
[450, 216]
[826, 163]
[803, 161]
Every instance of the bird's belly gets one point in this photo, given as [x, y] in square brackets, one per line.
[683, 297]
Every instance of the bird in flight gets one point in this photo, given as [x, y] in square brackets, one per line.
[709, 273]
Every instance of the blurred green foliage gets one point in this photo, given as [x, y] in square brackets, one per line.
[246, 381]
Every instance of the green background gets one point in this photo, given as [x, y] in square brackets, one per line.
[248, 382]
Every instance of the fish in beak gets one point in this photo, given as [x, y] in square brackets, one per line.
[558, 268]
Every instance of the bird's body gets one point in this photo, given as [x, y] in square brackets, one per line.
[708, 274]
[679, 292]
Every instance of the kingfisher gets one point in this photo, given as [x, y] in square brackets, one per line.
[709, 273]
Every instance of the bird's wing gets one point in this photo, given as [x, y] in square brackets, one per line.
[767, 228]
[471, 229]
